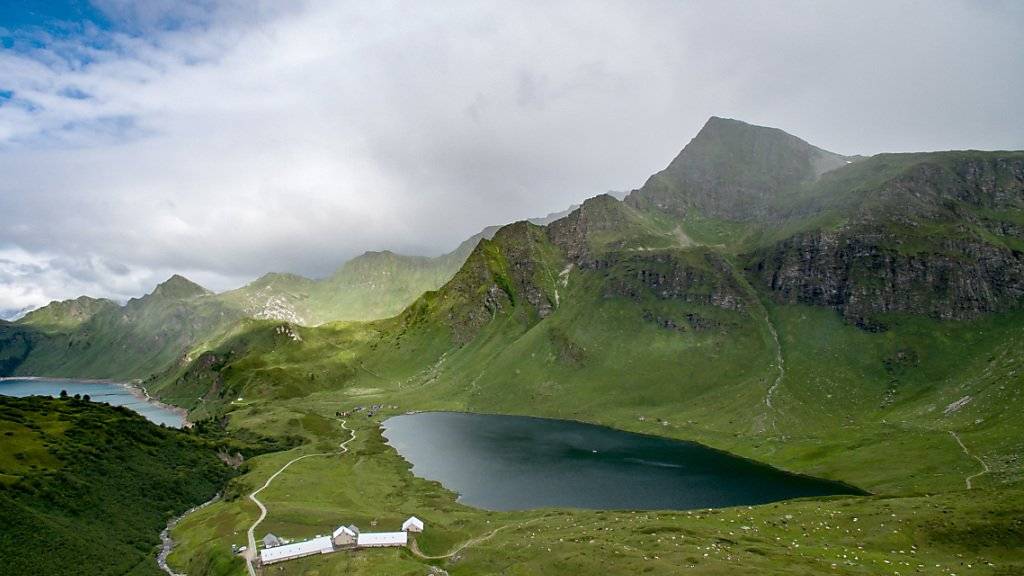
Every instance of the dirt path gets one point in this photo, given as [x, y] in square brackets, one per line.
[415, 549]
[250, 553]
[984, 466]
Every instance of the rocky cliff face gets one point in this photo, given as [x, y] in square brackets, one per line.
[941, 239]
[515, 272]
[602, 223]
[862, 278]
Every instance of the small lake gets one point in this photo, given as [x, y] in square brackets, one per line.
[111, 393]
[516, 463]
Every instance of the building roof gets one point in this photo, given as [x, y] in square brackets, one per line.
[414, 522]
[382, 539]
[350, 530]
[288, 551]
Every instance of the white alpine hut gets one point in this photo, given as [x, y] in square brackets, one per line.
[413, 524]
[321, 545]
[381, 539]
[345, 535]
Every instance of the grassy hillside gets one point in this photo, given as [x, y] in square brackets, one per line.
[67, 315]
[931, 534]
[373, 285]
[85, 486]
[131, 341]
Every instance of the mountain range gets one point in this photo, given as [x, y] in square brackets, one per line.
[97, 338]
[801, 294]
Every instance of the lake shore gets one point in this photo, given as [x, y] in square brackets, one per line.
[141, 393]
[136, 390]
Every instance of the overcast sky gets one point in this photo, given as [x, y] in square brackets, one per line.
[222, 140]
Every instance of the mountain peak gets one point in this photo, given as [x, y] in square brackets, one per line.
[178, 287]
[734, 171]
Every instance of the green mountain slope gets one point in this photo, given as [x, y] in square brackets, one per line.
[66, 315]
[371, 286]
[87, 487]
[96, 338]
[132, 341]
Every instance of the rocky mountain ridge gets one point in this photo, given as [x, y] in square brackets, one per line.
[743, 214]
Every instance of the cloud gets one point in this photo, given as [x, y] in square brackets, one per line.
[226, 139]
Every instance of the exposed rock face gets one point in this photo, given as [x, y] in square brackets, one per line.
[859, 277]
[945, 186]
[203, 374]
[576, 233]
[989, 181]
[516, 271]
[938, 240]
[274, 296]
[638, 262]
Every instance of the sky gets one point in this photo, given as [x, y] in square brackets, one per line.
[225, 139]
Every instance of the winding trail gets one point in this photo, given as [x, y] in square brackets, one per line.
[780, 363]
[250, 553]
[984, 466]
[415, 549]
[770, 411]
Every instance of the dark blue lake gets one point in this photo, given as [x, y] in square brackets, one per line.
[516, 463]
[111, 393]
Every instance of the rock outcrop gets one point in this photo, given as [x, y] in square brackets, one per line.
[516, 271]
[942, 239]
[861, 277]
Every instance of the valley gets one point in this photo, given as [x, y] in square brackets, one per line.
[855, 319]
